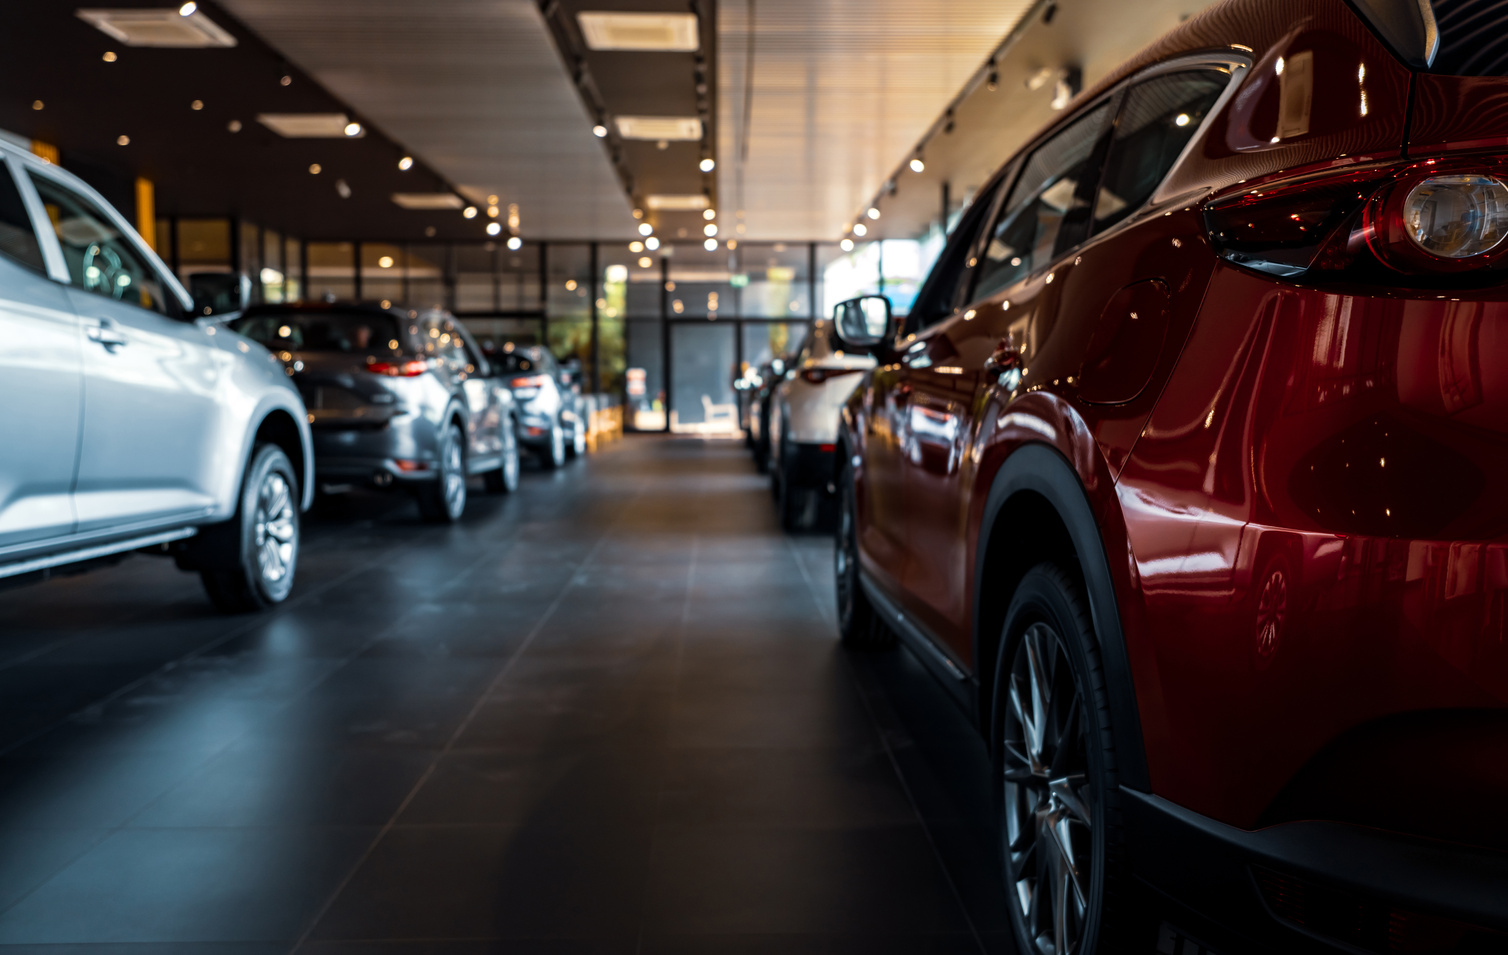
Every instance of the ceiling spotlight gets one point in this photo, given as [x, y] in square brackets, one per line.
[860, 229]
[494, 228]
[651, 243]
[429, 232]
[353, 129]
[709, 164]
[492, 212]
[645, 262]
[709, 214]
[710, 245]
[197, 104]
[645, 228]
[187, 10]
[917, 165]
[315, 168]
[710, 229]
[638, 213]
[123, 140]
[636, 246]
[514, 243]
[992, 82]
[469, 212]
[343, 188]
[406, 163]
[234, 125]
[873, 212]
[109, 56]
[386, 262]
[286, 80]
[600, 131]
[846, 245]
[36, 104]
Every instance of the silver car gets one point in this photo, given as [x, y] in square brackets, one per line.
[397, 399]
[132, 422]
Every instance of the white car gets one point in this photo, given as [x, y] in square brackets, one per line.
[134, 422]
[803, 421]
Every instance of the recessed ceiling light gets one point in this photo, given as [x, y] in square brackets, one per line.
[645, 228]
[406, 163]
[386, 262]
[515, 243]
[686, 203]
[709, 214]
[197, 104]
[160, 28]
[36, 104]
[860, 228]
[678, 128]
[707, 165]
[109, 56]
[710, 245]
[651, 243]
[709, 229]
[315, 168]
[123, 140]
[873, 213]
[427, 200]
[917, 165]
[469, 212]
[846, 245]
[645, 262]
[311, 125]
[494, 228]
[188, 9]
[600, 131]
[604, 30]
[234, 125]
[286, 80]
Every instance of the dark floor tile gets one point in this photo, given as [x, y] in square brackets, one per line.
[188, 885]
[773, 944]
[151, 948]
[512, 946]
[29, 857]
[797, 788]
[551, 788]
[471, 883]
[291, 786]
[758, 879]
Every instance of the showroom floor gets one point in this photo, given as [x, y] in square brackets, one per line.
[605, 715]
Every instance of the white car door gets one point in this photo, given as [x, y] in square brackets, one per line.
[151, 375]
[40, 386]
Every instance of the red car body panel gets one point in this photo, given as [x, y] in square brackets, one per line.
[1298, 488]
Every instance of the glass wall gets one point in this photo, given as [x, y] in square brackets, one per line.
[667, 329]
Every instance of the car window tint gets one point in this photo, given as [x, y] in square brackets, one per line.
[1155, 123]
[18, 239]
[1025, 236]
[359, 333]
[947, 285]
[100, 259]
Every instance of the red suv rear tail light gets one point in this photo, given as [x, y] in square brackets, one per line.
[398, 369]
[817, 376]
[532, 381]
[1420, 224]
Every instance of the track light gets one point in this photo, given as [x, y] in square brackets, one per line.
[917, 165]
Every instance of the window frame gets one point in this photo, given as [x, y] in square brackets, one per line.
[1089, 185]
[957, 248]
[1232, 63]
[179, 305]
[31, 204]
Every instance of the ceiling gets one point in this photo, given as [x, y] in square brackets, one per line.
[475, 87]
[819, 99]
[1095, 36]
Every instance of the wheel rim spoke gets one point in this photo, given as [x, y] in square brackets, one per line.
[1049, 803]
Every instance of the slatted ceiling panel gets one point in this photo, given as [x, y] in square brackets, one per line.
[841, 92]
[474, 87]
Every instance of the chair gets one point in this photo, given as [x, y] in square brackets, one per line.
[715, 416]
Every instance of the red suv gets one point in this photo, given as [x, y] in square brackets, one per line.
[1180, 473]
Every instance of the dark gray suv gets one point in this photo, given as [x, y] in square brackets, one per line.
[396, 399]
[552, 416]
